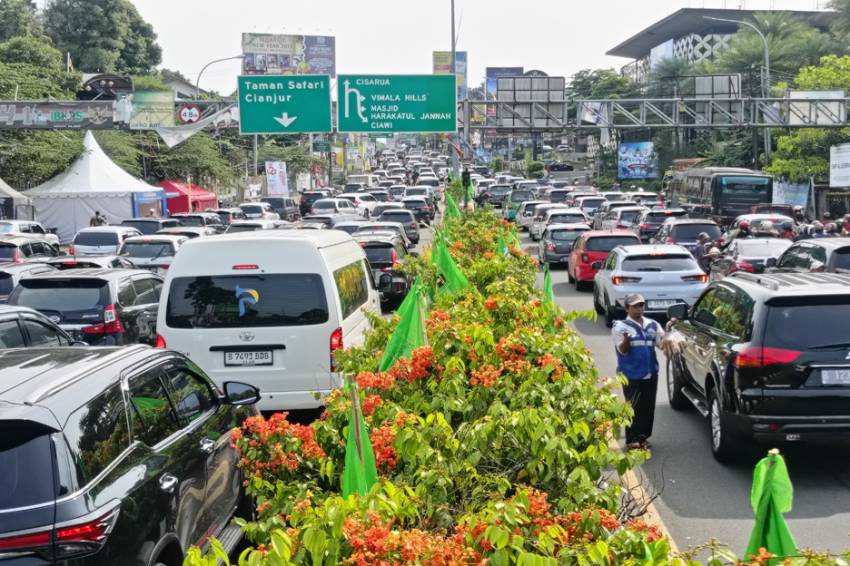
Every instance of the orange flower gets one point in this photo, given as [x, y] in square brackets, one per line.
[491, 304]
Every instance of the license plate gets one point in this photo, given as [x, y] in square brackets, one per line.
[661, 304]
[835, 376]
[262, 358]
[564, 259]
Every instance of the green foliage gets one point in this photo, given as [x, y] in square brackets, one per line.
[28, 82]
[149, 82]
[498, 165]
[122, 148]
[103, 35]
[18, 18]
[198, 157]
[666, 77]
[28, 158]
[32, 51]
[601, 83]
[536, 169]
[298, 158]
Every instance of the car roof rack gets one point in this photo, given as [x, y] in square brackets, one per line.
[771, 284]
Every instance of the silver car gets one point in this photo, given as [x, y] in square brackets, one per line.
[101, 240]
[525, 214]
[665, 275]
[557, 242]
[562, 215]
[154, 253]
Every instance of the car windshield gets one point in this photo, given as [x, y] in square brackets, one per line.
[195, 221]
[558, 196]
[311, 197]
[658, 218]
[378, 254]
[392, 216]
[6, 284]
[564, 235]
[803, 323]
[8, 252]
[763, 247]
[146, 227]
[147, 249]
[252, 209]
[236, 228]
[347, 228]
[26, 461]
[6, 228]
[521, 196]
[62, 295]
[324, 205]
[690, 232]
[237, 301]
[567, 219]
[608, 243]
[592, 202]
[629, 216]
[96, 239]
[841, 260]
[417, 192]
[500, 190]
[659, 262]
[276, 202]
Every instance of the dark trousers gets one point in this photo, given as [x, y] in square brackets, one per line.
[640, 394]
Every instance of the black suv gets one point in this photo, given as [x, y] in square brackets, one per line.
[104, 307]
[148, 226]
[12, 273]
[21, 327]
[766, 357]
[831, 255]
[115, 456]
[286, 208]
[305, 207]
[685, 232]
[385, 254]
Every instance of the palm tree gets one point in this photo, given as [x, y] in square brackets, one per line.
[841, 20]
[665, 78]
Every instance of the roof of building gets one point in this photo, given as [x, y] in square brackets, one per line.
[692, 20]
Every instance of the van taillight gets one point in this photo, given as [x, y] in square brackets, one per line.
[16, 256]
[336, 344]
[160, 342]
[71, 249]
[755, 357]
[72, 540]
[394, 257]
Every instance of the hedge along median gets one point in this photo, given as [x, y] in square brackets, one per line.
[490, 438]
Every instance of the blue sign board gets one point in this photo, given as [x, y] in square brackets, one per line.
[637, 160]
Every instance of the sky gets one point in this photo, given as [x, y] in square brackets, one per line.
[559, 37]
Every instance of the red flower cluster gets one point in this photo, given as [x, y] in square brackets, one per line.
[386, 457]
[653, 533]
[491, 304]
[510, 349]
[549, 362]
[485, 376]
[370, 403]
[375, 380]
[439, 320]
[421, 363]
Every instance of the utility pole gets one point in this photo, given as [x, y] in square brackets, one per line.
[454, 75]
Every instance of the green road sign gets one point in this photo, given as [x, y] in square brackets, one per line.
[396, 103]
[321, 146]
[277, 104]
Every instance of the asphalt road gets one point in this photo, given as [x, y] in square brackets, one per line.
[698, 498]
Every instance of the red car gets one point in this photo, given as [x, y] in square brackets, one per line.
[592, 247]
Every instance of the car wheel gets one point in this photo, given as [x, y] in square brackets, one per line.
[597, 306]
[723, 444]
[677, 399]
[609, 313]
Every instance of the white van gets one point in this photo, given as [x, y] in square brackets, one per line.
[269, 308]
[365, 180]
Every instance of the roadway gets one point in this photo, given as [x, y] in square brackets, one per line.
[698, 498]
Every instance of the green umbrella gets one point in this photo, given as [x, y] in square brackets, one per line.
[409, 333]
[360, 473]
[771, 497]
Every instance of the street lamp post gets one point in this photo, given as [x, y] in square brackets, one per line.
[213, 62]
[765, 80]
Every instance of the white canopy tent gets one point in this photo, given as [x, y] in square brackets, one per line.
[14, 205]
[92, 183]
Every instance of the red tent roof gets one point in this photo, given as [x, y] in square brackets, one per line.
[179, 193]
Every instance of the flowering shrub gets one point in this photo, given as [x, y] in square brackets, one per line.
[491, 441]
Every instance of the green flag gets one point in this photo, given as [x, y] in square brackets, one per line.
[771, 497]
[409, 334]
[359, 474]
[501, 246]
[514, 239]
[452, 210]
[548, 292]
[453, 279]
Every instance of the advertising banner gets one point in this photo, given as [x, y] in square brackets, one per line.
[791, 193]
[443, 66]
[637, 160]
[151, 109]
[278, 54]
[839, 165]
[277, 180]
[58, 115]
[493, 76]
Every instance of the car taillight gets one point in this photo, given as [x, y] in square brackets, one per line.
[16, 256]
[165, 266]
[669, 240]
[645, 226]
[701, 278]
[336, 344]
[71, 250]
[755, 357]
[71, 540]
[414, 225]
[620, 280]
[160, 342]
[110, 325]
[394, 257]
[585, 258]
[550, 247]
[742, 266]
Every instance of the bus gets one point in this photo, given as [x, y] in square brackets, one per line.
[722, 193]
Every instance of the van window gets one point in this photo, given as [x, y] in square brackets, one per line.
[236, 301]
[97, 432]
[26, 465]
[352, 287]
[97, 239]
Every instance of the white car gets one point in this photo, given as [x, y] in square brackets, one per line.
[364, 202]
[154, 253]
[259, 211]
[557, 214]
[665, 275]
[525, 213]
[589, 205]
[621, 217]
[101, 240]
[251, 225]
[28, 228]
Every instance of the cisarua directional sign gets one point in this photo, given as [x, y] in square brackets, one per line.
[275, 104]
[396, 103]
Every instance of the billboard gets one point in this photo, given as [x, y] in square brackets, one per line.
[278, 54]
[151, 109]
[637, 160]
[443, 66]
[277, 180]
[839, 165]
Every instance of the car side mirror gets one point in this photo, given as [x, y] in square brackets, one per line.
[385, 283]
[771, 262]
[678, 311]
[596, 265]
[238, 393]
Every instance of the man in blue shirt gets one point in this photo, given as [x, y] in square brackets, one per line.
[635, 339]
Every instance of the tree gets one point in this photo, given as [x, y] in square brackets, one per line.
[18, 18]
[665, 78]
[601, 83]
[840, 24]
[103, 35]
[31, 51]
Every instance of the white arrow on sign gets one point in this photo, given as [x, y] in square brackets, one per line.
[285, 120]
